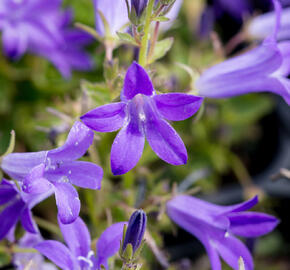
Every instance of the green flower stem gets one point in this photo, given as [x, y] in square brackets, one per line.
[145, 38]
[51, 227]
[16, 249]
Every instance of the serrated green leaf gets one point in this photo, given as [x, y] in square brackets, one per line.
[161, 48]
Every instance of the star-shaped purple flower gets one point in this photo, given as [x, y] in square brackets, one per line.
[16, 205]
[216, 226]
[58, 170]
[141, 113]
[77, 255]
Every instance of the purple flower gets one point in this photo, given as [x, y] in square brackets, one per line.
[16, 205]
[216, 226]
[39, 27]
[57, 170]
[264, 68]
[116, 16]
[135, 231]
[34, 260]
[263, 25]
[141, 113]
[78, 254]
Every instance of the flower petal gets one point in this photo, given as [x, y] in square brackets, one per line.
[109, 243]
[9, 217]
[27, 221]
[80, 173]
[7, 192]
[57, 253]
[231, 249]
[128, 146]
[35, 183]
[77, 237]
[197, 210]
[67, 201]
[251, 224]
[18, 165]
[116, 17]
[244, 206]
[177, 106]
[106, 118]
[163, 139]
[198, 228]
[14, 41]
[78, 141]
[253, 71]
[136, 82]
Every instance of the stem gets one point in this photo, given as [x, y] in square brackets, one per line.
[154, 40]
[144, 42]
[48, 226]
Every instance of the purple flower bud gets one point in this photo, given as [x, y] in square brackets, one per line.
[139, 6]
[136, 229]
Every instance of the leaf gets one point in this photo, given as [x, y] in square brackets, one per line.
[127, 38]
[98, 92]
[161, 19]
[161, 48]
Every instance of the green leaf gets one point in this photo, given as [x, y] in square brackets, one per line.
[98, 92]
[161, 48]
[127, 38]
[161, 19]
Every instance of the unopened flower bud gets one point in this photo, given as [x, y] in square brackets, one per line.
[135, 231]
[137, 10]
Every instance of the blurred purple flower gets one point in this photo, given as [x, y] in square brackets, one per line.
[141, 113]
[16, 205]
[34, 260]
[264, 68]
[57, 170]
[262, 26]
[115, 12]
[78, 254]
[216, 226]
[40, 27]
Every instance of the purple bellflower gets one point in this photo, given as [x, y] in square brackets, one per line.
[135, 231]
[263, 25]
[116, 14]
[57, 170]
[16, 205]
[77, 255]
[34, 260]
[40, 27]
[141, 113]
[216, 226]
[261, 69]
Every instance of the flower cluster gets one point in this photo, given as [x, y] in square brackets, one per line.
[140, 112]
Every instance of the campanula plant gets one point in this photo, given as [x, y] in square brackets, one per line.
[122, 94]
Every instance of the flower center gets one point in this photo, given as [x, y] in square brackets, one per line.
[139, 101]
[89, 264]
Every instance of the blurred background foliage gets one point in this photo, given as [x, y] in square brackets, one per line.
[228, 141]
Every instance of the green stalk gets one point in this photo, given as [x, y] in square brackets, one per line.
[144, 42]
